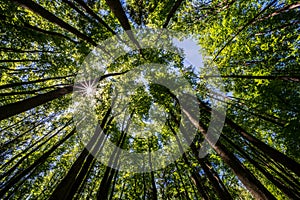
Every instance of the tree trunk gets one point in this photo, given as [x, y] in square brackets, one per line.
[118, 11]
[8, 144]
[286, 190]
[182, 182]
[27, 104]
[273, 153]
[113, 186]
[75, 175]
[281, 10]
[105, 184]
[24, 60]
[30, 103]
[12, 169]
[222, 192]
[271, 119]
[154, 190]
[172, 12]
[36, 163]
[245, 176]
[50, 33]
[202, 191]
[36, 8]
[102, 193]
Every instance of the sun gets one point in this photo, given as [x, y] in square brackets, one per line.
[86, 88]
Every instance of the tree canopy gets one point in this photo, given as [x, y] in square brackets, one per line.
[50, 144]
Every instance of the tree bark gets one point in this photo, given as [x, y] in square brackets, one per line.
[102, 193]
[8, 144]
[6, 49]
[50, 33]
[24, 60]
[221, 191]
[277, 12]
[271, 119]
[154, 190]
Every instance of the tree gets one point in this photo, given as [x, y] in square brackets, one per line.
[253, 44]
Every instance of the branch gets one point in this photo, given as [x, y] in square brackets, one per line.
[243, 27]
[172, 12]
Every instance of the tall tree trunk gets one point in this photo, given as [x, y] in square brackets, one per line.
[7, 49]
[30, 91]
[122, 191]
[27, 104]
[72, 5]
[182, 182]
[199, 186]
[102, 193]
[81, 177]
[82, 184]
[273, 153]
[218, 179]
[14, 124]
[221, 191]
[15, 61]
[276, 168]
[286, 190]
[12, 169]
[281, 10]
[36, 163]
[271, 119]
[117, 9]
[76, 174]
[36, 8]
[16, 140]
[106, 181]
[154, 190]
[144, 184]
[113, 186]
[46, 32]
[245, 176]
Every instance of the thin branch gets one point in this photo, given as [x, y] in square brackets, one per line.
[172, 12]
[243, 27]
